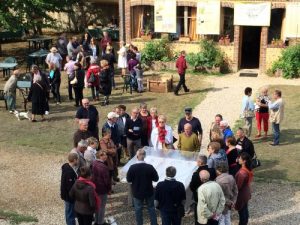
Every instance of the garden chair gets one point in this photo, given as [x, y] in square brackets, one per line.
[129, 82]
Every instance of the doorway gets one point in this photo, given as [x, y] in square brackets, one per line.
[250, 47]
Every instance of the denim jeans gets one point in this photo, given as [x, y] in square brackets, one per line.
[11, 101]
[248, 125]
[95, 92]
[225, 219]
[276, 132]
[170, 218]
[99, 217]
[55, 91]
[69, 213]
[244, 215]
[138, 208]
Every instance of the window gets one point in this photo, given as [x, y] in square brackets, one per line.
[142, 20]
[275, 28]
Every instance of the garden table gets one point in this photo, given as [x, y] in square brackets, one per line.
[6, 67]
[39, 42]
[39, 57]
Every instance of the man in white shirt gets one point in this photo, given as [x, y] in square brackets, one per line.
[54, 57]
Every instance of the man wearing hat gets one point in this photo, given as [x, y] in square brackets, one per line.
[111, 124]
[195, 122]
[54, 57]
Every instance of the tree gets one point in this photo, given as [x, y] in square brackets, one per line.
[30, 14]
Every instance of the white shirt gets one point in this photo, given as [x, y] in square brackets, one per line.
[155, 140]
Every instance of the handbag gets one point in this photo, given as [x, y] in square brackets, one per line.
[74, 81]
[255, 162]
[247, 112]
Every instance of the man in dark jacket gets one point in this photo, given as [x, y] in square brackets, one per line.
[82, 133]
[243, 143]
[133, 129]
[141, 175]
[196, 181]
[170, 198]
[68, 178]
[181, 67]
[121, 122]
[102, 181]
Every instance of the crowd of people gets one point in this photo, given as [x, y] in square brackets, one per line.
[220, 184]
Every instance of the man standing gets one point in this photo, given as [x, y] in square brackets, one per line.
[69, 68]
[181, 67]
[87, 111]
[243, 143]
[79, 150]
[170, 198]
[211, 201]
[195, 122]
[276, 116]
[102, 181]
[54, 57]
[188, 141]
[133, 129]
[141, 175]
[68, 177]
[121, 122]
[196, 181]
[82, 133]
[247, 112]
[230, 190]
[10, 88]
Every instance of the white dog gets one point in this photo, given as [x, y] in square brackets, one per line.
[22, 115]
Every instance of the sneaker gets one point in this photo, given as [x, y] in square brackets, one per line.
[58, 103]
[11, 111]
[46, 112]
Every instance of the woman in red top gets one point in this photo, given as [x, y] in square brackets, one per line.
[92, 78]
[243, 179]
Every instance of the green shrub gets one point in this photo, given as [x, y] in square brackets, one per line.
[155, 50]
[289, 62]
[210, 56]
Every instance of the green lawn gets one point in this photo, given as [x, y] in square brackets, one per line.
[282, 162]
[16, 218]
[55, 135]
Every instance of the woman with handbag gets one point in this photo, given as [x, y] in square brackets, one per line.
[247, 110]
[92, 78]
[78, 83]
[105, 81]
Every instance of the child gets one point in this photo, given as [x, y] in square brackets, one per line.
[90, 153]
[139, 77]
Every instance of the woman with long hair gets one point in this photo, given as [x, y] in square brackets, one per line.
[78, 83]
[232, 156]
[244, 178]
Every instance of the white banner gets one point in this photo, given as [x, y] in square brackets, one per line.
[165, 16]
[208, 17]
[252, 14]
[292, 22]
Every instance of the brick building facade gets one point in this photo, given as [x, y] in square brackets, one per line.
[263, 36]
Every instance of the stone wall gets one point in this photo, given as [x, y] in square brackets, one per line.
[272, 54]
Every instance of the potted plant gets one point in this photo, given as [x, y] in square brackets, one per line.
[146, 34]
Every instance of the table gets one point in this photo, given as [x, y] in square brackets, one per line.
[39, 42]
[39, 57]
[7, 67]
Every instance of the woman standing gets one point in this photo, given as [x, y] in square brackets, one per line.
[86, 199]
[152, 123]
[38, 97]
[162, 136]
[92, 78]
[78, 83]
[105, 81]
[108, 146]
[55, 80]
[262, 112]
[122, 58]
[94, 49]
[243, 178]
[144, 115]
[232, 156]
[86, 39]
[110, 58]
[247, 112]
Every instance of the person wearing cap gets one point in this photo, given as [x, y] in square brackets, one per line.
[195, 122]
[92, 78]
[111, 59]
[87, 111]
[111, 124]
[10, 88]
[54, 57]
[181, 67]
[226, 130]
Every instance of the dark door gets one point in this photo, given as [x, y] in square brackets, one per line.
[250, 47]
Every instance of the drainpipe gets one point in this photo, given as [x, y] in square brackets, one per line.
[122, 20]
